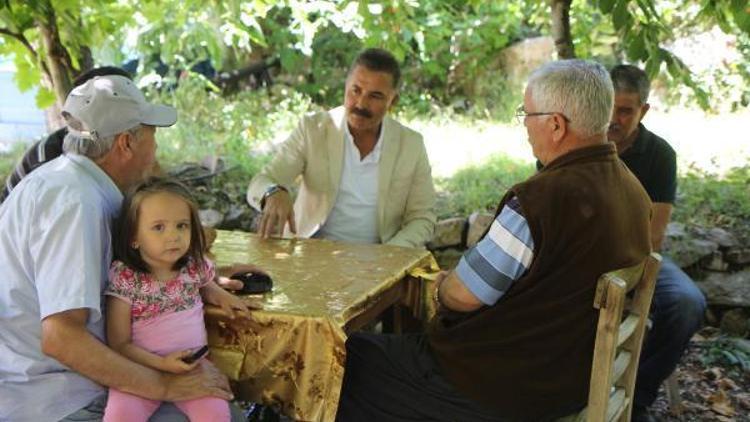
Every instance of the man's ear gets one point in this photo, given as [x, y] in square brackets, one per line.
[644, 109]
[558, 127]
[394, 101]
[123, 144]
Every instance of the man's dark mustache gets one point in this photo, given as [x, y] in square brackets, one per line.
[361, 112]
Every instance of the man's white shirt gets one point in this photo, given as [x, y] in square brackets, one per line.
[354, 217]
[55, 250]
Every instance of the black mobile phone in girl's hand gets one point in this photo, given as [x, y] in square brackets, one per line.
[195, 356]
[253, 283]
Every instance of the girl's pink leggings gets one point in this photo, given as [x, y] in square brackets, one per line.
[127, 407]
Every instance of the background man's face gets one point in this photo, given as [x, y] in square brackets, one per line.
[626, 115]
[367, 98]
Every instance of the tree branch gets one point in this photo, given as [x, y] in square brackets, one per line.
[22, 39]
[19, 37]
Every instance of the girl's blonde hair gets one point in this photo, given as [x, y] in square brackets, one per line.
[127, 224]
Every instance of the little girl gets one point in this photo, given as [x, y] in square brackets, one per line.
[154, 306]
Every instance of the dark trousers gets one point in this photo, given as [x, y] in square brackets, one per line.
[395, 378]
[676, 313]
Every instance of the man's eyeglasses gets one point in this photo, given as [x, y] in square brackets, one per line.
[521, 114]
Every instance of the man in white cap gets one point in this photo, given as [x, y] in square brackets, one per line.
[55, 249]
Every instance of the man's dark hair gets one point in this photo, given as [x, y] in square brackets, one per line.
[100, 71]
[379, 60]
[629, 78]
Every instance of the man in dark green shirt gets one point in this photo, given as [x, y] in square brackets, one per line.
[678, 306]
[654, 163]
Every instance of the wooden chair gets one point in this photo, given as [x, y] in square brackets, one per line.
[619, 334]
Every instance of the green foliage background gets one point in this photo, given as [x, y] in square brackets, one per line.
[231, 127]
[451, 53]
[450, 48]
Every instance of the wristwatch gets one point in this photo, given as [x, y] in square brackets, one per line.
[270, 191]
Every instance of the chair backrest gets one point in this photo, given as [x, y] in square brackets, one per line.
[619, 335]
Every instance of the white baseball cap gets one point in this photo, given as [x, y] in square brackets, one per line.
[111, 104]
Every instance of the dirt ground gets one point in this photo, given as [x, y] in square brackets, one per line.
[711, 389]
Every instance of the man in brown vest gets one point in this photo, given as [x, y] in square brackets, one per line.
[514, 334]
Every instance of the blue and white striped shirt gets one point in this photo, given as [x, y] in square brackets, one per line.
[500, 258]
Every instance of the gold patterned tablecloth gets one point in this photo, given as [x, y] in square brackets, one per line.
[291, 354]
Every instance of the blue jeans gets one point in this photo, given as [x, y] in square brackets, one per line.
[676, 313]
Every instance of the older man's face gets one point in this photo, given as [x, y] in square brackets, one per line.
[536, 129]
[144, 153]
[368, 97]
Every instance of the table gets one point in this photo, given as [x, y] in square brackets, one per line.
[291, 354]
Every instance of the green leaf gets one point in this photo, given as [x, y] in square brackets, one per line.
[621, 15]
[290, 60]
[606, 5]
[673, 68]
[636, 46]
[653, 63]
[27, 74]
[44, 98]
[730, 357]
[741, 12]
[65, 5]
[256, 34]
[647, 6]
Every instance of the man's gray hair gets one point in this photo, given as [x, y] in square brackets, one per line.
[579, 89]
[628, 78]
[82, 143]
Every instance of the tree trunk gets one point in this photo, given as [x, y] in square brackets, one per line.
[54, 54]
[53, 117]
[85, 61]
[55, 58]
[561, 29]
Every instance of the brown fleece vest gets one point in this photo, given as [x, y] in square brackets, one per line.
[528, 357]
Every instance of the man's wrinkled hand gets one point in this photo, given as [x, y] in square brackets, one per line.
[277, 212]
[204, 380]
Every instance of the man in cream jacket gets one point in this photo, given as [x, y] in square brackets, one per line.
[365, 178]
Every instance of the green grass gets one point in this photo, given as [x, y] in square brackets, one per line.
[479, 187]
[710, 200]
[704, 199]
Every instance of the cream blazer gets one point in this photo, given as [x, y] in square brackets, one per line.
[314, 154]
